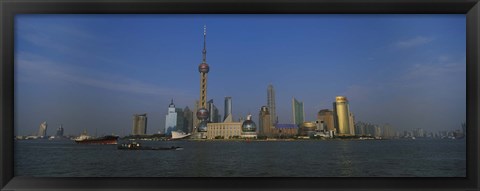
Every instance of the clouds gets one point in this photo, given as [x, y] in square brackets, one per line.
[412, 42]
[33, 68]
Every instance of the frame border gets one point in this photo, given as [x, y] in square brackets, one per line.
[9, 8]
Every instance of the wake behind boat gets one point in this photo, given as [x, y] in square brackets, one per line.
[138, 146]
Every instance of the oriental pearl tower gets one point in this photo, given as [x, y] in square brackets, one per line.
[203, 68]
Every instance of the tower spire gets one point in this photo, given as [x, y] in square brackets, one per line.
[204, 44]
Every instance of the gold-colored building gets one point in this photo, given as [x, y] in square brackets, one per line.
[342, 116]
[224, 130]
[307, 128]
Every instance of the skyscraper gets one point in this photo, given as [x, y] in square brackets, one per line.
[170, 119]
[228, 108]
[42, 130]
[139, 124]
[298, 112]
[271, 104]
[188, 120]
[264, 121]
[203, 68]
[214, 115]
[326, 116]
[60, 131]
[341, 113]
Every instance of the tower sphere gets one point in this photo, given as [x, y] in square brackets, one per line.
[249, 126]
[202, 126]
[203, 67]
[202, 114]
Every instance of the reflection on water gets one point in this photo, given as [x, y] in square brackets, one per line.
[425, 158]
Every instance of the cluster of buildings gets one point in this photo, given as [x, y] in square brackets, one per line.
[207, 123]
[42, 133]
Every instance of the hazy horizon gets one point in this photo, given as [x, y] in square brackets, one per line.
[96, 71]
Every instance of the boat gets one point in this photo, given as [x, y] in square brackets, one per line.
[105, 140]
[138, 146]
[179, 135]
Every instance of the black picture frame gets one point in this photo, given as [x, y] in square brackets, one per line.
[9, 8]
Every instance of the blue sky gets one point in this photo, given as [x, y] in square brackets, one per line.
[95, 71]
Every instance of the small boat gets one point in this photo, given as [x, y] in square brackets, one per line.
[179, 135]
[138, 146]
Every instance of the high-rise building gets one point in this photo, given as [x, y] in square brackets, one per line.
[228, 109]
[60, 131]
[139, 124]
[203, 68]
[325, 118]
[342, 116]
[271, 104]
[265, 126]
[188, 120]
[351, 123]
[42, 130]
[214, 114]
[180, 119]
[171, 119]
[298, 112]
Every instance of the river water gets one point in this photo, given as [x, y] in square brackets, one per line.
[328, 158]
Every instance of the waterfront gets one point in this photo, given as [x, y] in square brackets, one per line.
[329, 158]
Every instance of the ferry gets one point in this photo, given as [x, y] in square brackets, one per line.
[179, 135]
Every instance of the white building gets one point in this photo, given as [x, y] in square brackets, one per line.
[170, 119]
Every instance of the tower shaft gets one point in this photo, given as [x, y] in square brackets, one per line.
[203, 90]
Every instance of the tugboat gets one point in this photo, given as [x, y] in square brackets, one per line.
[138, 146]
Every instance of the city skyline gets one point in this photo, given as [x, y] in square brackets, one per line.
[151, 90]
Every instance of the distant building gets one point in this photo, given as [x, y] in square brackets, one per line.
[285, 130]
[59, 131]
[42, 130]
[228, 110]
[265, 126]
[298, 112]
[342, 116]
[188, 120]
[214, 114]
[139, 124]
[307, 129]
[174, 119]
[271, 104]
[325, 116]
[224, 130]
[249, 128]
[202, 112]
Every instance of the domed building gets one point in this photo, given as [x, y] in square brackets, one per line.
[249, 129]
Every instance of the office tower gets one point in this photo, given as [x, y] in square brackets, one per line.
[203, 68]
[325, 116]
[188, 120]
[264, 122]
[180, 119]
[351, 123]
[342, 116]
[42, 130]
[171, 119]
[271, 104]
[214, 116]
[139, 124]
[60, 131]
[228, 109]
[464, 128]
[298, 112]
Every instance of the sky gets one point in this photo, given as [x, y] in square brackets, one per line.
[94, 72]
